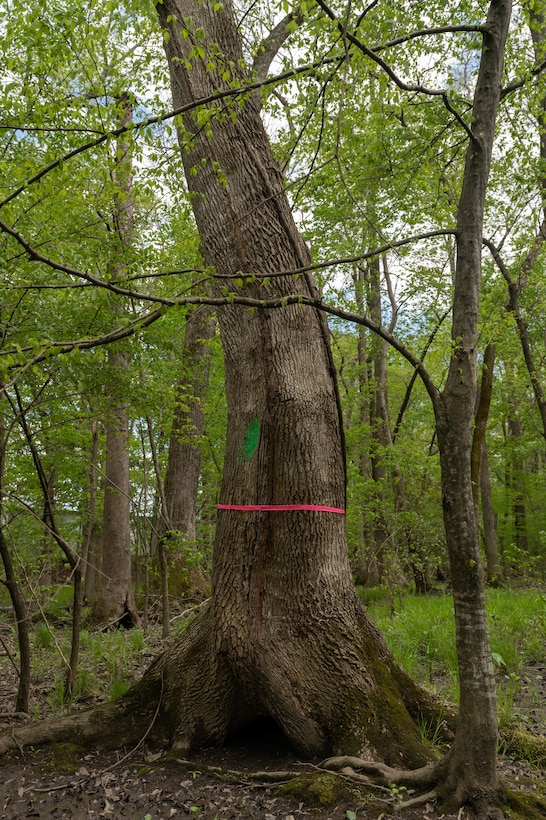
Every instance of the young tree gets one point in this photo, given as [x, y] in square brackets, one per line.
[114, 602]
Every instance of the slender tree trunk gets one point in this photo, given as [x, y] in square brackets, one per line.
[92, 567]
[50, 525]
[517, 479]
[114, 603]
[483, 404]
[494, 568]
[366, 566]
[17, 599]
[480, 469]
[537, 25]
[472, 774]
[379, 416]
[184, 461]
[88, 556]
[178, 526]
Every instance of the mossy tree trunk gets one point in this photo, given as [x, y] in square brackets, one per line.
[284, 633]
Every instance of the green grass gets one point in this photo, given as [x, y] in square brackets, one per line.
[108, 663]
[419, 631]
[421, 634]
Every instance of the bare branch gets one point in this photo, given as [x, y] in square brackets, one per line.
[244, 301]
[271, 44]
[58, 348]
[111, 285]
[373, 55]
[427, 32]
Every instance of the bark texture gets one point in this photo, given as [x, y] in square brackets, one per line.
[471, 766]
[114, 603]
[284, 633]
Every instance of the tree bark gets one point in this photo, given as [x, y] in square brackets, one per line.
[114, 603]
[471, 765]
[261, 646]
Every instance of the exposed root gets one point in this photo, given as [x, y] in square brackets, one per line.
[108, 725]
[419, 800]
[383, 774]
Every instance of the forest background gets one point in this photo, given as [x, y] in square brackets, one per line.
[113, 409]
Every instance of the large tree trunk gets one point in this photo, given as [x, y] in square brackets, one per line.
[284, 633]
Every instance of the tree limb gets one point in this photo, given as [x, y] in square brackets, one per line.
[117, 132]
[270, 45]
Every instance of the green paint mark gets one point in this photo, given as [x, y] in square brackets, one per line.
[252, 439]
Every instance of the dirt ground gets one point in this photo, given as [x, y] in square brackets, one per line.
[219, 784]
[65, 783]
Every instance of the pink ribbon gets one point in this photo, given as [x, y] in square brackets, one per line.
[279, 507]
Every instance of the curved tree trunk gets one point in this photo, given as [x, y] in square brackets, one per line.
[284, 633]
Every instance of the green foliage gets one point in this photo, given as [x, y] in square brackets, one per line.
[42, 636]
[109, 662]
[420, 633]
[367, 162]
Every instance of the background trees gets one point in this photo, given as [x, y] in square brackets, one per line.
[372, 137]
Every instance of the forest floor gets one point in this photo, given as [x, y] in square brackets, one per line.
[218, 784]
[63, 783]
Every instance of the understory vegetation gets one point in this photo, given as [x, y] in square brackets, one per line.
[418, 629]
